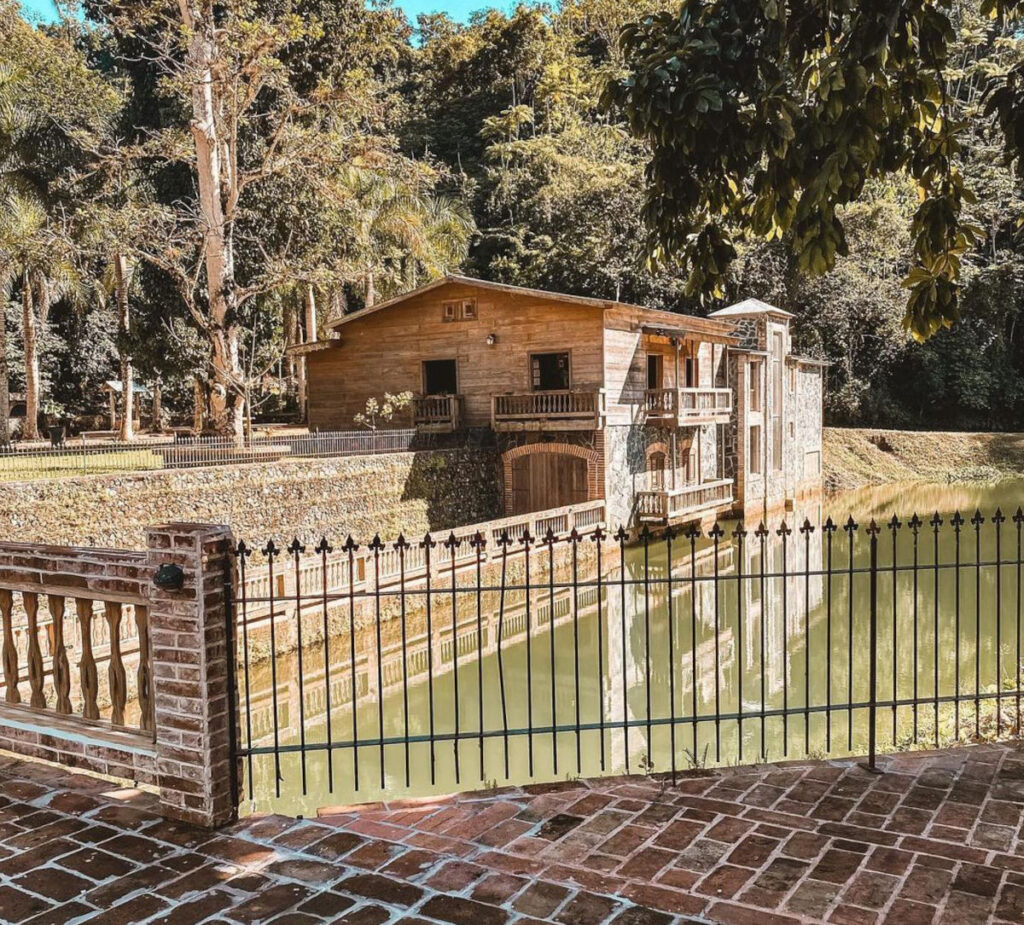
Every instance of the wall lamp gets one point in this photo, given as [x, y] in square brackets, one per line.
[492, 339]
[169, 577]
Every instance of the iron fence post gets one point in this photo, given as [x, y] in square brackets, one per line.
[233, 714]
[873, 647]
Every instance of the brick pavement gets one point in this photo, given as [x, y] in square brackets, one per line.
[937, 838]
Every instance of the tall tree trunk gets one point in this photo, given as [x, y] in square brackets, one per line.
[198, 406]
[215, 177]
[127, 430]
[158, 409]
[311, 324]
[371, 291]
[5, 394]
[29, 335]
[291, 336]
[302, 381]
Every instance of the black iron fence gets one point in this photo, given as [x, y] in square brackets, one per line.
[366, 670]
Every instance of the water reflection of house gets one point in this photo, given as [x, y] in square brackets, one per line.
[783, 588]
[655, 412]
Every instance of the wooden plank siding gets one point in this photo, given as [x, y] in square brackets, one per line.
[626, 349]
[386, 350]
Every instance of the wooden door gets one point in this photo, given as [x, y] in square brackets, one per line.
[546, 480]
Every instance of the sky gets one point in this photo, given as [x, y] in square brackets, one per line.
[457, 9]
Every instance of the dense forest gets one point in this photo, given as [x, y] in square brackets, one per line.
[185, 194]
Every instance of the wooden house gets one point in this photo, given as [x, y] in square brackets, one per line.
[588, 398]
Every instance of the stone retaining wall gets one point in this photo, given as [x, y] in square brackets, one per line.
[414, 492]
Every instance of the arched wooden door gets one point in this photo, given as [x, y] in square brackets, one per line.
[545, 480]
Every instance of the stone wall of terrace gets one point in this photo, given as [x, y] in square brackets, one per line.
[430, 489]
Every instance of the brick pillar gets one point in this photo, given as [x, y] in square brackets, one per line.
[191, 674]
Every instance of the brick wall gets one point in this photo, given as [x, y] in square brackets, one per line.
[180, 741]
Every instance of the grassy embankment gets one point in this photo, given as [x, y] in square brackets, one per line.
[854, 457]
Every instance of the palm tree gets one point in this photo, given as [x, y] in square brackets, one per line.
[39, 257]
[400, 229]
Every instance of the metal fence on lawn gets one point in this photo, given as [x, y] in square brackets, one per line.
[29, 461]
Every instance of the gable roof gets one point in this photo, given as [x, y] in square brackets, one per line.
[481, 284]
[658, 316]
[750, 307]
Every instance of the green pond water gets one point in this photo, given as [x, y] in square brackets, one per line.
[614, 680]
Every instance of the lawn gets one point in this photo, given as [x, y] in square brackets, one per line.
[47, 464]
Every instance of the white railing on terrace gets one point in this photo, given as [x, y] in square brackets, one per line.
[673, 504]
[690, 403]
[563, 407]
[436, 412]
[342, 572]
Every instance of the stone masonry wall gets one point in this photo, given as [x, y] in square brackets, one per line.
[626, 463]
[414, 492]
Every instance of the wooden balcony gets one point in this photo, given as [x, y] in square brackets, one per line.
[565, 409]
[680, 407]
[686, 503]
[438, 414]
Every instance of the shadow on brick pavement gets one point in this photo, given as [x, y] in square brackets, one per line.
[936, 839]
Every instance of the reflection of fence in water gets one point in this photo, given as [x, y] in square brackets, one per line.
[423, 654]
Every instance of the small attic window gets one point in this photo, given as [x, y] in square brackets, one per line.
[459, 310]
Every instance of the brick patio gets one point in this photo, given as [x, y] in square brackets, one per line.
[937, 838]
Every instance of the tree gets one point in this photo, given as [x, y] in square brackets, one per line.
[50, 105]
[248, 122]
[40, 259]
[767, 117]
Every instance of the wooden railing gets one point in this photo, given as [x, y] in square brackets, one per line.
[357, 572]
[691, 405]
[67, 650]
[678, 503]
[437, 413]
[565, 409]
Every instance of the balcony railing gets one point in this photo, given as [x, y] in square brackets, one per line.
[689, 406]
[682, 503]
[436, 413]
[565, 409]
